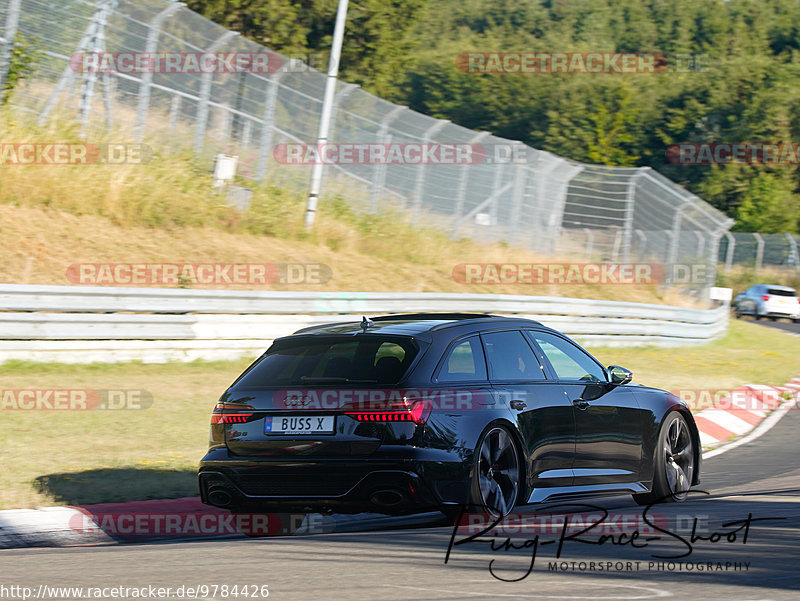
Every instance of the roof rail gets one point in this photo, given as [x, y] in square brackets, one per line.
[432, 316]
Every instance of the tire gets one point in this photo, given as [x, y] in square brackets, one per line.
[497, 473]
[674, 463]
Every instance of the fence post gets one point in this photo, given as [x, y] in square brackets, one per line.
[174, 109]
[729, 251]
[759, 252]
[347, 88]
[701, 242]
[498, 182]
[713, 254]
[247, 132]
[268, 123]
[793, 259]
[675, 236]
[555, 221]
[12, 19]
[628, 224]
[150, 46]
[517, 193]
[642, 243]
[96, 45]
[67, 76]
[617, 245]
[205, 94]
[419, 188]
[227, 121]
[589, 242]
[379, 172]
[462, 185]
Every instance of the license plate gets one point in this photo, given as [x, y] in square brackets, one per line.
[294, 424]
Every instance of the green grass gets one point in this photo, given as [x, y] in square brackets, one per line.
[57, 457]
[78, 457]
[748, 354]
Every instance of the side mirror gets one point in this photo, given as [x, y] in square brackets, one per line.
[619, 375]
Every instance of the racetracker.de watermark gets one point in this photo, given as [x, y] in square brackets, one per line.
[579, 273]
[203, 274]
[738, 153]
[74, 399]
[521, 524]
[535, 62]
[174, 63]
[73, 153]
[746, 398]
[368, 153]
[561, 62]
[132, 525]
[390, 399]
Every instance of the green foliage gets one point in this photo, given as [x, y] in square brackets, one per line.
[378, 38]
[733, 77]
[22, 62]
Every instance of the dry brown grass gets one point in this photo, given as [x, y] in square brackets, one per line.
[39, 244]
[165, 211]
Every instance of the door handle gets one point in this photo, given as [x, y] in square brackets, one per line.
[518, 405]
[581, 404]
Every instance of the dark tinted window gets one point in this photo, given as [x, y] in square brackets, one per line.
[510, 357]
[568, 361]
[779, 292]
[464, 362]
[321, 361]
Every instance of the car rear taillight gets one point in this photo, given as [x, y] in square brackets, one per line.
[417, 412]
[765, 297]
[229, 415]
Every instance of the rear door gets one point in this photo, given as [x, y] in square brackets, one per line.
[608, 419]
[543, 413]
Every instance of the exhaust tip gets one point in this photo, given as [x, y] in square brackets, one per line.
[387, 498]
[220, 497]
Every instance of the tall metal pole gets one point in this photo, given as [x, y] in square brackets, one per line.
[325, 116]
[12, 20]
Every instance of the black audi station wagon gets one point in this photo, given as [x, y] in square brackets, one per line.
[406, 413]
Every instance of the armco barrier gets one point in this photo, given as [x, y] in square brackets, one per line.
[78, 324]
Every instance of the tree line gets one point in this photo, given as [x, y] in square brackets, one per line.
[729, 73]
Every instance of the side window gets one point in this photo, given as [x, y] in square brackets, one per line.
[465, 362]
[510, 357]
[568, 361]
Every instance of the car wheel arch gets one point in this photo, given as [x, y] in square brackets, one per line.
[509, 426]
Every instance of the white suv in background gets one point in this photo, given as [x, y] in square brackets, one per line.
[763, 300]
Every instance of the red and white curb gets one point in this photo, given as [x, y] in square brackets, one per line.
[741, 411]
[174, 519]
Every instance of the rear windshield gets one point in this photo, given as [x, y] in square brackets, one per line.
[323, 361]
[780, 292]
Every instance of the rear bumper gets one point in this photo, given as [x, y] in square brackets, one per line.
[342, 485]
[775, 310]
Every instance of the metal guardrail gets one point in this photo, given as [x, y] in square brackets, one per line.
[84, 324]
